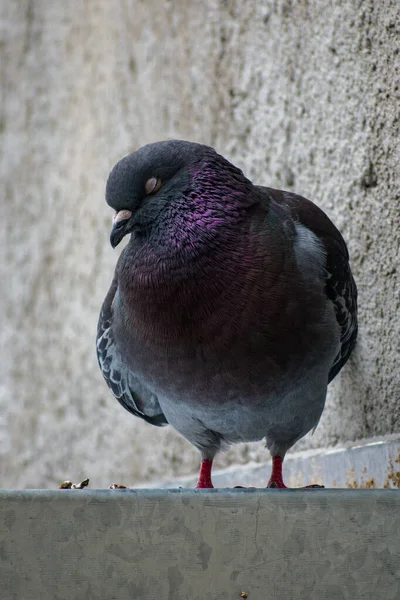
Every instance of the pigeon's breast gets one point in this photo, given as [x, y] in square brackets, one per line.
[229, 357]
[235, 331]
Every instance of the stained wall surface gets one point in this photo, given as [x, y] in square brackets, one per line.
[301, 94]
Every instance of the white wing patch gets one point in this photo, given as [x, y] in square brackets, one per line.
[310, 252]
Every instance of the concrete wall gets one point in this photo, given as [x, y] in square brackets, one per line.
[301, 94]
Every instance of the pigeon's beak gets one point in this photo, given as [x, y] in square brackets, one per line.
[120, 226]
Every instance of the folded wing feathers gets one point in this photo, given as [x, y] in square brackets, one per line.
[121, 381]
[340, 285]
[342, 291]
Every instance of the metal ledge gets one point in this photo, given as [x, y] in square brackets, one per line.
[200, 544]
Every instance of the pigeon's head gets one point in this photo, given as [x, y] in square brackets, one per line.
[143, 183]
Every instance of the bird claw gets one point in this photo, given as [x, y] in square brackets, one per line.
[244, 487]
[117, 486]
[313, 485]
[273, 484]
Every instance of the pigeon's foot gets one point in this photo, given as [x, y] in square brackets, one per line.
[313, 485]
[274, 484]
[117, 486]
[204, 480]
[276, 480]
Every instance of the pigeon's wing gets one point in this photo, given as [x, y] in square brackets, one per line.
[125, 386]
[340, 285]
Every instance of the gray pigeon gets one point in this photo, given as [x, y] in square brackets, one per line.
[232, 306]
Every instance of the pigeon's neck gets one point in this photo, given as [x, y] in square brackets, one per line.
[208, 219]
[199, 252]
[182, 252]
[209, 213]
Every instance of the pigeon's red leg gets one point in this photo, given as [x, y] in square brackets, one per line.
[276, 481]
[204, 480]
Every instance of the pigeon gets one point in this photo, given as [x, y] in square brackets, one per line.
[232, 306]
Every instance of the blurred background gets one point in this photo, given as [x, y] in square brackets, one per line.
[302, 95]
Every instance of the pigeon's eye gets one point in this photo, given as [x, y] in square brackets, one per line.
[152, 185]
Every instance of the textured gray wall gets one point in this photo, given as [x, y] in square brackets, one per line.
[301, 94]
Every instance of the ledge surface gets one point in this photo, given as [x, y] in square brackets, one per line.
[192, 545]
